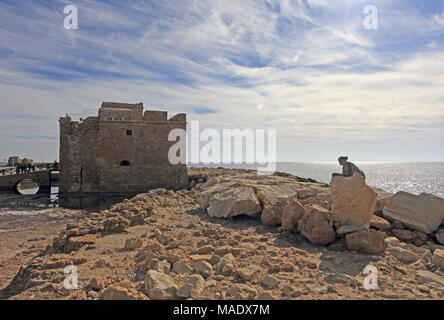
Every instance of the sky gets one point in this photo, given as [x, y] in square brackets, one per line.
[311, 69]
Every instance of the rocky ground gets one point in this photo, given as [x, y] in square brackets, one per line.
[187, 244]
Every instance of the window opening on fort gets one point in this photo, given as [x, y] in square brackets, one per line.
[129, 132]
[125, 163]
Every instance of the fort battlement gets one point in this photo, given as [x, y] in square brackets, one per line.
[123, 149]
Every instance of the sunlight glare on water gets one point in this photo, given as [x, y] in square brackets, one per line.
[392, 177]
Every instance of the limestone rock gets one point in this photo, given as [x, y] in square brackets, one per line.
[184, 291]
[315, 195]
[367, 241]
[423, 213]
[159, 286]
[78, 295]
[214, 259]
[382, 198]
[197, 282]
[270, 282]
[419, 265]
[265, 295]
[349, 229]
[424, 252]
[438, 258]
[272, 215]
[200, 257]
[248, 273]
[204, 197]
[317, 226]
[234, 202]
[223, 250]
[115, 225]
[133, 243]
[241, 292]
[204, 249]
[274, 200]
[163, 267]
[353, 202]
[291, 215]
[224, 266]
[227, 269]
[203, 268]
[403, 235]
[379, 223]
[181, 268]
[172, 258]
[424, 276]
[404, 255]
[392, 241]
[210, 183]
[96, 284]
[75, 243]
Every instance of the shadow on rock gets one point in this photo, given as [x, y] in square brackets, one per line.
[346, 263]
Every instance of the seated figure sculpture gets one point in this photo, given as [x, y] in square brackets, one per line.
[348, 168]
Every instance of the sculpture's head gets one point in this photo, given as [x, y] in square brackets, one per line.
[342, 160]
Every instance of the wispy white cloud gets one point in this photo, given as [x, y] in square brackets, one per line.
[361, 92]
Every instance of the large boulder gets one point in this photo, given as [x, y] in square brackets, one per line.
[291, 215]
[274, 200]
[203, 198]
[367, 241]
[272, 214]
[160, 286]
[317, 226]
[423, 213]
[234, 202]
[353, 202]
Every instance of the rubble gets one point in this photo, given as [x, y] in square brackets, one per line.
[175, 250]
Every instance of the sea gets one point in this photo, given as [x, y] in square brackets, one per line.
[414, 178]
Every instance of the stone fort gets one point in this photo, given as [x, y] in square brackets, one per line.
[122, 150]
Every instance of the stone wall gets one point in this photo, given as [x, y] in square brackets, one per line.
[10, 182]
[121, 150]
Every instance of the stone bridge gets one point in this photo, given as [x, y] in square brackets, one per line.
[42, 177]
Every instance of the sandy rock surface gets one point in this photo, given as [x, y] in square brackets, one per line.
[164, 245]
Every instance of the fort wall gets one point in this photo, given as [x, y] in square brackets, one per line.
[121, 150]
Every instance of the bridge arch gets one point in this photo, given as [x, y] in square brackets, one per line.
[42, 178]
[26, 182]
